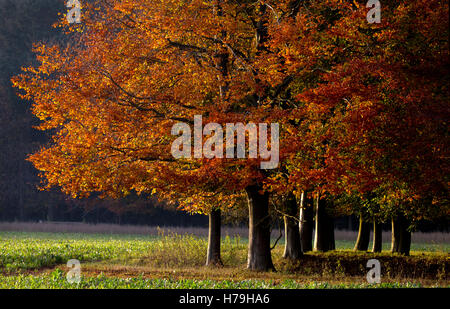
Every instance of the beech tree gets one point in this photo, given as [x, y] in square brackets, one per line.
[374, 108]
[357, 107]
[132, 71]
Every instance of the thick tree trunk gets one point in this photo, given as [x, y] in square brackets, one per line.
[401, 237]
[324, 230]
[259, 255]
[306, 225]
[362, 242]
[377, 237]
[292, 246]
[214, 237]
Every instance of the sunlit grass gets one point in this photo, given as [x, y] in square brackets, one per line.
[38, 250]
[57, 280]
[28, 260]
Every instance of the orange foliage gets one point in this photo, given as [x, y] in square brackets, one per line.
[359, 105]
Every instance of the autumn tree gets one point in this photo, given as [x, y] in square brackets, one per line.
[358, 109]
[377, 107]
[133, 70]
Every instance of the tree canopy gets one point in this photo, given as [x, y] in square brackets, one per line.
[362, 107]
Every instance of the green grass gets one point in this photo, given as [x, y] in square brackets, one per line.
[57, 280]
[415, 247]
[38, 250]
[24, 251]
[28, 260]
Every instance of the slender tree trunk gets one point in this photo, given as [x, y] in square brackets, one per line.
[362, 242]
[324, 230]
[306, 225]
[292, 246]
[377, 236]
[401, 237]
[215, 223]
[213, 256]
[259, 255]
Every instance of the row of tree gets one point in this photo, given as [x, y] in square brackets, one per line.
[362, 110]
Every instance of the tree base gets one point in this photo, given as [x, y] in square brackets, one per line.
[401, 237]
[259, 253]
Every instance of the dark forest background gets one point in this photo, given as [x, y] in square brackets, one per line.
[23, 22]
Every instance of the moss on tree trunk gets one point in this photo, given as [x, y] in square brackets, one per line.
[401, 237]
[377, 237]
[362, 242]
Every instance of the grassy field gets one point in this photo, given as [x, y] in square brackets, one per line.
[37, 260]
[57, 280]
